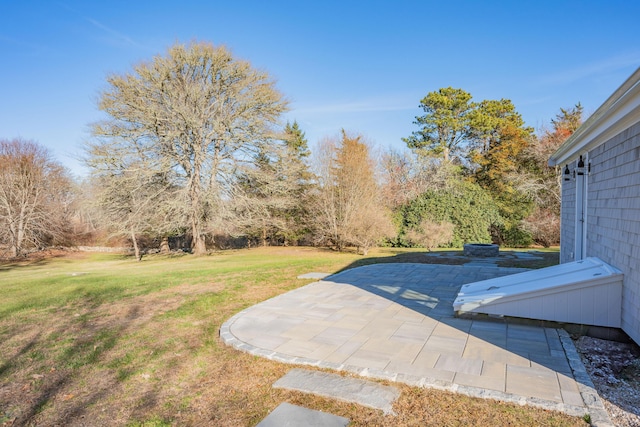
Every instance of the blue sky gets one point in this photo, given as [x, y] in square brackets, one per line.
[362, 66]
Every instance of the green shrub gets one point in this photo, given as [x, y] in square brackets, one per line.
[464, 204]
[512, 236]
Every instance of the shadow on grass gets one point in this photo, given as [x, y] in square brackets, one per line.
[51, 368]
[47, 257]
[8, 264]
[9, 363]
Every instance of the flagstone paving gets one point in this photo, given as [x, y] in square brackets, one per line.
[396, 322]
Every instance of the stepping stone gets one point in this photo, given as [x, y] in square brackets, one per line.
[288, 415]
[362, 392]
[314, 275]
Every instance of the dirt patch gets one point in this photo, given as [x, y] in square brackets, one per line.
[614, 369]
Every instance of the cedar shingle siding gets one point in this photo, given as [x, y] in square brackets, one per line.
[613, 216]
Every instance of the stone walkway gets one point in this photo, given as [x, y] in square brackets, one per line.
[396, 322]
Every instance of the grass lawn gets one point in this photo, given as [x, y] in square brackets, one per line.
[94, 339]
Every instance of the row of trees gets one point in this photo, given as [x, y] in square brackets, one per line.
[190, 145]
[487, 146]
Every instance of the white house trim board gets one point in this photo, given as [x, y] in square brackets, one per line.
[582, 191]
[618, 113]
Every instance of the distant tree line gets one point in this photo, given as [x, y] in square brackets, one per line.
[191, 149]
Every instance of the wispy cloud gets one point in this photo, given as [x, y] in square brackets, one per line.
[107, 35]
[594, 69]
[114, 36]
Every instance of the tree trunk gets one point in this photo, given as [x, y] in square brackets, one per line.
[198, 245]
[19, 236]
[164, 245]
[136, 249]
[264, 237]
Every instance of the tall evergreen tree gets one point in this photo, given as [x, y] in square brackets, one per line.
[296, 140]
[271, 198]
[444, 128]
[500, 139]
[296, 219]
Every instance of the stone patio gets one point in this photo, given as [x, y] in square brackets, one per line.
[396, 322]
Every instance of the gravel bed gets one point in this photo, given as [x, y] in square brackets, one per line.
[614, 369]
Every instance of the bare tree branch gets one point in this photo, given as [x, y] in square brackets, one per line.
[35, 196]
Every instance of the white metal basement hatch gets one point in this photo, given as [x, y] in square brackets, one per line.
[586, 292]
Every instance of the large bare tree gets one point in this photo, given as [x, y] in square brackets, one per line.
[35, 194]
[195, 111]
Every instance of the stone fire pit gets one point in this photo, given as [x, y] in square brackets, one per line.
[481, 250]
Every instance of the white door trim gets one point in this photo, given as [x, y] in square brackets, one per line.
[581, 209]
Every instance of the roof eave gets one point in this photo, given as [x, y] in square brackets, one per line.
[619, 111]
